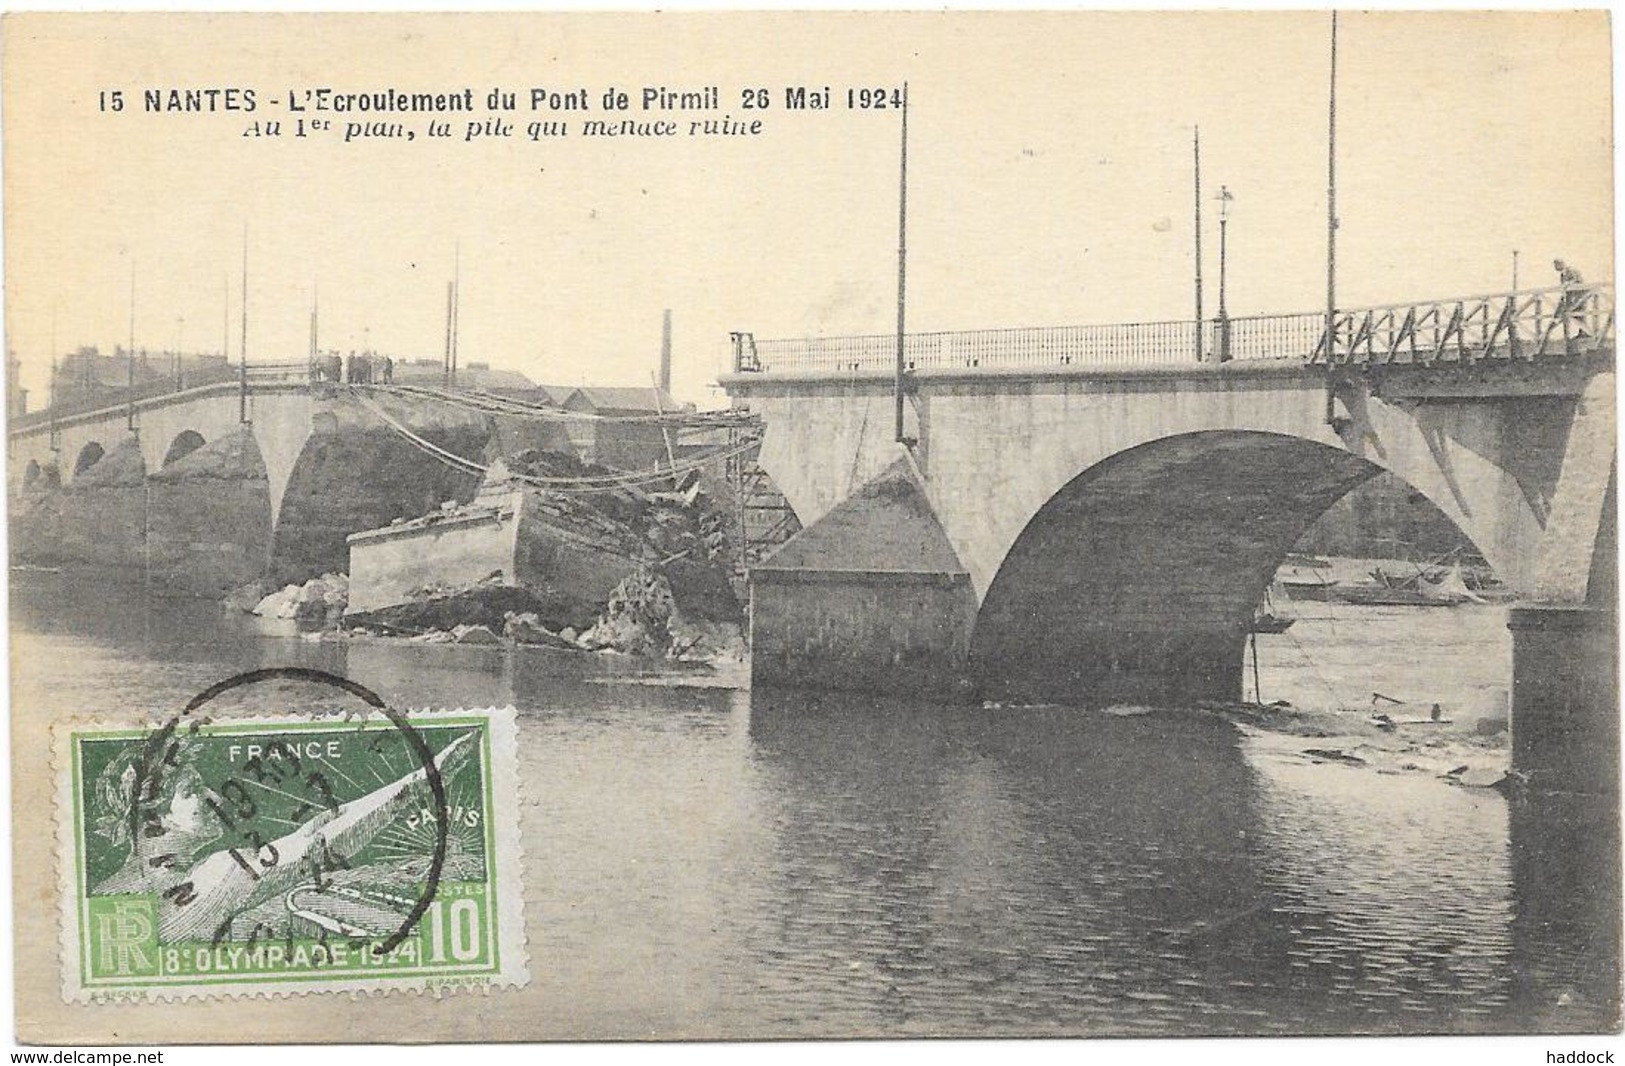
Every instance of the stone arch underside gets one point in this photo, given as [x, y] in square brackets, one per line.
[185, 443]
[88, 456]
[1136, 582]
[352, 476]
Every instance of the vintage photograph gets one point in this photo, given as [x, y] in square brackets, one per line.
[811, 526]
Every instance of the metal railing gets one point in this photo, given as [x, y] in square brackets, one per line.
[1524, 325]
[1518, 325]
[118, 397]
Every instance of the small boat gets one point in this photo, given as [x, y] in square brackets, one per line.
[1315, 588]
[1435, 588]
[1383, 596]
[1304, 578]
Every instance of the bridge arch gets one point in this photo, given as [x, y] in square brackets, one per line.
[89, 456]
[1137, 579]
[185, 443]
[354, 474]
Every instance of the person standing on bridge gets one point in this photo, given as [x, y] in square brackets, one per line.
[389, 371]
[1573, 303]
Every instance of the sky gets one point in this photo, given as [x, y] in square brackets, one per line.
[1050, 172]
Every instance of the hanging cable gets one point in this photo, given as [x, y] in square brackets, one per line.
[489, 402]
[579, 484]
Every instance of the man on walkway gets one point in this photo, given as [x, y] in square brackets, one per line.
[1575, 294]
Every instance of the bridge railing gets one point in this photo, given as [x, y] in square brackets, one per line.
[1525, 324]
[1528, 324]
[1127, 344]
[112, 397]
[1266, 337]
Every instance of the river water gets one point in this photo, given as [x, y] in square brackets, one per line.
[705, 861]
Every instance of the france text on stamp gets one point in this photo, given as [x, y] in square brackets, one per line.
[289, 854]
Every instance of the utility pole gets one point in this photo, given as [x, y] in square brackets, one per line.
[129, 359]
[902, 270]
[1224, 198]
[54, 440]
[1514, 270]
[1331, 234]
[242, 356]
[456, 307]
[1196, 147]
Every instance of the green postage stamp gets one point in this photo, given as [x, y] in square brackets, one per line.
[289, 854]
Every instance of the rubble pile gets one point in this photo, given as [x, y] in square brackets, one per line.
[489, 604]
[637, 618]
[657, 525]
[316, 604]
[675, 601]
[645, 617]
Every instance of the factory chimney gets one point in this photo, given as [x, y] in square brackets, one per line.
[665, 352]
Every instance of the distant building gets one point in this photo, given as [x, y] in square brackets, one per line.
[618, 437]
[478, 376]
[85, 377]
[1385, 518]
[616, 427]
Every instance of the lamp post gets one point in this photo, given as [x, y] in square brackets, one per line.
[129, 360]
[1223, 346]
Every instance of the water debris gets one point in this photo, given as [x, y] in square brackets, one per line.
[527, 628]
[475, 635]
[1480, 777]
[1333, 755]
[1125, 711]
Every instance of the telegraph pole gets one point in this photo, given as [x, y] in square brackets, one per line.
[1196, 146]
[55, 441]
[242, 356]
[1224, 198]
[902, 270]
[129, 359]
[1331, 232]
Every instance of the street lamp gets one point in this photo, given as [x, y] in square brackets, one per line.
[1224, 199]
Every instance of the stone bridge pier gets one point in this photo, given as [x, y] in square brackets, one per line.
[206, 493]
[1102, 535]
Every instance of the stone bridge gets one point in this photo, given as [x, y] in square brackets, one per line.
[214, 486]
[1063, 529]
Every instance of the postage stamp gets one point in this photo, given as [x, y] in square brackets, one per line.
[289, 853]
